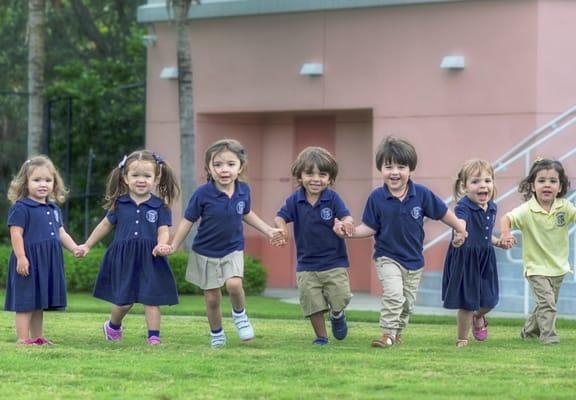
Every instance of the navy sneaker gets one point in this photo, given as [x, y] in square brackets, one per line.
[320, 341]
[339, 327]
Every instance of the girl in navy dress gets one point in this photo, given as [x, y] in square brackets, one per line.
[36, 280]
[470, 280]
[217, 257]
[133, 271]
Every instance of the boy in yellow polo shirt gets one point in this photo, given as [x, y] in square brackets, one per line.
[544, 220]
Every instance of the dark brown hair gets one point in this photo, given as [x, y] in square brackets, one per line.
[541, 164]
[396, 150]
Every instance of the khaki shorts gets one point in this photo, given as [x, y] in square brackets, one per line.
[323, 290]
[211, 273]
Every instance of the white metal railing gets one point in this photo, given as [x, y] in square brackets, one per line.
[515, 154]
[521, 150]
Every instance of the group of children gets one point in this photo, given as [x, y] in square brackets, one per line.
[142, 187]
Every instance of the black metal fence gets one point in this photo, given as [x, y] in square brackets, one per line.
[84, 139]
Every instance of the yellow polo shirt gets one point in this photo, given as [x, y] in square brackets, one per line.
[544, 236]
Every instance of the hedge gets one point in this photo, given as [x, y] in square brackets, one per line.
[81, 272]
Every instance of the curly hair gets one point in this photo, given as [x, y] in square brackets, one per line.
[19, 184]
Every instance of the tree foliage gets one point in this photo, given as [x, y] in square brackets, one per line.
[95, 94]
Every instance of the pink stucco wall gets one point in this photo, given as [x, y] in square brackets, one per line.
[382, 76]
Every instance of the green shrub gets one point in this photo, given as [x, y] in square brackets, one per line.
[81, 272]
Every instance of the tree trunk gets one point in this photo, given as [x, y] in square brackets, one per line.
[36, 61]
[186, 105]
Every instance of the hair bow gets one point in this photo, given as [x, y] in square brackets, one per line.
[122, 163]
[158, 159]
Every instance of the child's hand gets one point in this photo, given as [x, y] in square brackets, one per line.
[162, 249]
[458, 240]
[23, 266]
[79, 251]
[343, 229]
[278, 238]
[506, 241]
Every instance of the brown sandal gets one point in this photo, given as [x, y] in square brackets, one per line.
[385, 341]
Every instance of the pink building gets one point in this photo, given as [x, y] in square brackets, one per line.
[458, 78]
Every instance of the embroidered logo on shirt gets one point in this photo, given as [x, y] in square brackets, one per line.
[56, 216]
[416, 212]
[560, 219]
[326, 214]
[152, 216]
[240, 206]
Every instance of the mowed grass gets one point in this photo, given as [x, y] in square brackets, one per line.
[280, 363]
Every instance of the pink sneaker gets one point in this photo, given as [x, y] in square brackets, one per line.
[110, 334]
[154, 341]
[42, 341]
[481, 333]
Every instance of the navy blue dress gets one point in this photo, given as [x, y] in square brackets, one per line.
[45, 287]
[129, 273]
[470, 279]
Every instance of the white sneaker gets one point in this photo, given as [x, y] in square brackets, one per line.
[244, 327]
[217, 340]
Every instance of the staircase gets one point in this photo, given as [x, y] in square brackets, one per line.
[555, 139]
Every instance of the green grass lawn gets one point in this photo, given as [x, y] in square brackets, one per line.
[280, 363]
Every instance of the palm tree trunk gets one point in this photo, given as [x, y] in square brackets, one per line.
[186, 104]
[36, 61]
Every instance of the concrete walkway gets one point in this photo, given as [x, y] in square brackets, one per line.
[365, 302]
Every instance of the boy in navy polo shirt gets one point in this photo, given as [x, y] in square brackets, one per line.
[394, 215]
[322, 268]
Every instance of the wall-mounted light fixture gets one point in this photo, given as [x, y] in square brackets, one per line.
[453, 62]
[169, 73]
[312, 69]
[149, 40]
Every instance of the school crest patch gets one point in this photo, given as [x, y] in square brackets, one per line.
[326, 214]
[416, 212]
[56, 216]
[560, 219]
[152, 216]
[240, 207]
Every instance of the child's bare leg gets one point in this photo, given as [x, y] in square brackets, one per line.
[118, 313]
[36, 324]
[22, 322]
[153, 316]
[464, 323]
[319, 324]
[479, 316]
[212, 301]
[236, 292]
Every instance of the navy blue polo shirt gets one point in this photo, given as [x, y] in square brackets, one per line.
[479, 223]
[220, 231]
[318, 247]
[399, 225]
[40, 221]
[140, 221]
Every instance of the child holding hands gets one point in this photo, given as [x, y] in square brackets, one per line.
[133, 271]
[322, 265]
[544, 220]
[36, 279]
[470, 278]
[217, 256]
[394, 215]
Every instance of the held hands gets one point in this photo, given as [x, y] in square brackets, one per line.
[162, 249]
[23, 266]
[506, 241]
[81, 250]
[460, 234]
[343, 229]
[278, 237]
